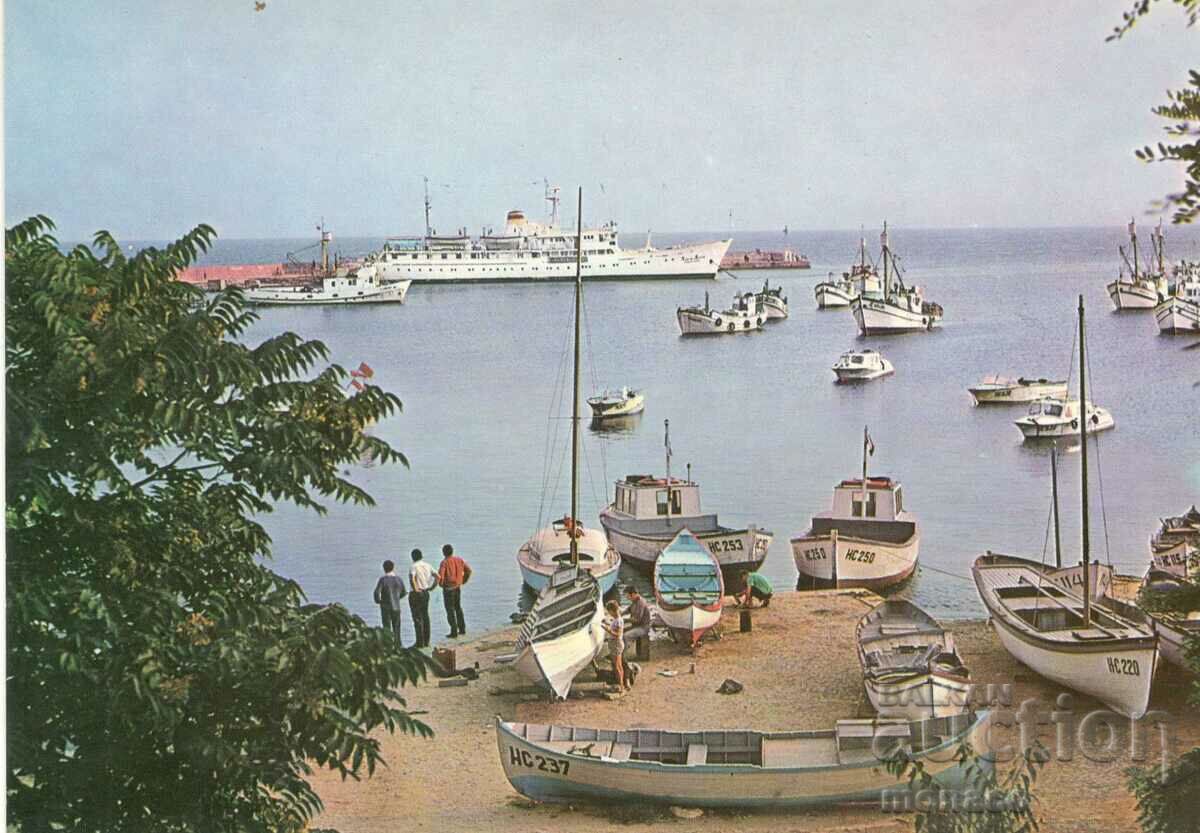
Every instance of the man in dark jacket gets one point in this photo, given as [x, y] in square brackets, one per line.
[389, 593]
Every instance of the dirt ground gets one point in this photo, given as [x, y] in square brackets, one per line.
[800, 671]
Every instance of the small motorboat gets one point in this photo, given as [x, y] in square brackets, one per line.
[722, 768]
[550, 548]
[861, 366]
[688, 588]
[563, 632]
[617, 403]
[911, 669]
[1003, 390]
[1055, 417]
[773, 302]
[744, 316]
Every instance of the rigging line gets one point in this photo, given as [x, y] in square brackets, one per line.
[551, 423]
[1099, 467]
[946, 573]
[1071, 364]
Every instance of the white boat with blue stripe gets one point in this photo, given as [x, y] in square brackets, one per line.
[550, 548]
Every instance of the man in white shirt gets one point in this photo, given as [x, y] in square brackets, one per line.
[421, 579]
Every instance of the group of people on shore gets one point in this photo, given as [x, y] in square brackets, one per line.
[452, 573]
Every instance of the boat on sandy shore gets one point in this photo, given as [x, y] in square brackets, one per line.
[723, 768]
[550, 548]
[563, 633]
[1143, 289]
[896, 307]
[744, 315]
[839, 292]
[647, 513]
[911, 668]
[861, 366]
[867, 539]
[530, 251]
[1178, 313]
[1002, 390]
[617, 403]
[688, 589]
[1172, 629]
[1051, 418]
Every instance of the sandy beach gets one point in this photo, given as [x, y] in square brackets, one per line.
[799, 669]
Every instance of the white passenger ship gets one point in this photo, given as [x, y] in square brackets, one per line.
[528, 250]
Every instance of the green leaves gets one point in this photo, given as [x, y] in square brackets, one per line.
[160, 675]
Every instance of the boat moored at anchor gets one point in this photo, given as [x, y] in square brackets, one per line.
[745, 315]
[897, 307]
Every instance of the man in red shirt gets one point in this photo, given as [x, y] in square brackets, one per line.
[452, 574]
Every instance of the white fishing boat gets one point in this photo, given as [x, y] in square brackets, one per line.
[1002, 390]
[722, 768]
[531, 251]
[550, 548]
[911, 668]
[867, 539]
[1179, 312]
[1060, 418]
[362, 284]
[772, 302]
[617, 403]
[839, 292]
[896, 307]
[745, 315]
[647, 513]
[1172, 629]
[688, 588]
[861, 366]
[1143, 289]
[1071, 637]
[563, 633]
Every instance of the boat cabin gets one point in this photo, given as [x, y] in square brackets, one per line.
[644, 497]
[1060, 408]
[884, 500]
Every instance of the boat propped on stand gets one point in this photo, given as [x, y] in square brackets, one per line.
[1143, 289]
[688, 588]
[839, 292]
[897, 307]
[745, 315]
[911, 668]
[723, 768]
[563, 632]
[866, 540]
[648, 512]
[1070, 636]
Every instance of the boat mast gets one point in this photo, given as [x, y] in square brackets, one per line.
[667, 445]
[1133, 238]
[866, 441]
[1054, 499]
[1087, 589]
[1159, 235]
[428, 228]
[883, 239]
[325, 238]
[575, 395]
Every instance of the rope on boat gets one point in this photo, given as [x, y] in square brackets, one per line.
[1099, 467]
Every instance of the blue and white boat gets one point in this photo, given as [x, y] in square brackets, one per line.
[550, 548]
[688, 588]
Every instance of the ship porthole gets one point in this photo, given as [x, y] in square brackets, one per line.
[717, 322]
[760, 322]
[731, 327]
[1074, 423]
[745, 325]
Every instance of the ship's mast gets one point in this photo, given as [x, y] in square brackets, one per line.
[428, 205]
[1054, 500]
[326, 237]
[575, 395]
[1087, 589]
[667, 445]
[883, 239]
[553, 198]
[1159, 235]
[1133, 237]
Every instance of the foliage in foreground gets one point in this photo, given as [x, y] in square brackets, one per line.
[159, 675]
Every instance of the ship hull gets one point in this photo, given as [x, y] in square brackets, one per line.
[875, 317]
[390, 293]
[736, 550]
[1128, 296]
[1177, 316]
[853, 562]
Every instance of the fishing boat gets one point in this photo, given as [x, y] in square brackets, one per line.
[745, 315]
[550, 548]
[1178, 313]
[1172, 629]
[839, 292]
[722, 768]
[563, 632]
[1068, 636]
[772, 301]
[911, 668]
[647, 513]
[688, 588]
[617, 403]
[896, 307]
[1143, 289]
[362, 284]
[527, 250]
[1053, 417]
[867, 539]
[1003, 390]
[861, 366]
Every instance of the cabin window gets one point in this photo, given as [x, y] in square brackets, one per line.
[899, 498]
[1054, 410]
[660, 498]
[676, 502]
[858, 506]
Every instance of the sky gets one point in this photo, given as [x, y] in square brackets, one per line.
[146, 118]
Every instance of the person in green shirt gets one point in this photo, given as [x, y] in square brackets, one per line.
[757, 587]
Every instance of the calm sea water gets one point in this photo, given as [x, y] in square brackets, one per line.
[767, 433]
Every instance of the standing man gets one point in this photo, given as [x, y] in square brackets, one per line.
[452, 574]
[389, 592]
[422, 579]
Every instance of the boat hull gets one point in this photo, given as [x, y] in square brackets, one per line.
[389, 293]
[830, 296]
[849, 375]
[536, 580]
[689, 623]
[629, 407]
[776, 309]
[876, 317]
[697, 323]
[853, 562]
[553, 665]
[1178, 316]
[546, 771]
[1037, 428]
[736, 550]
[1019, 393]
[918, 696]
[1132, 296]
